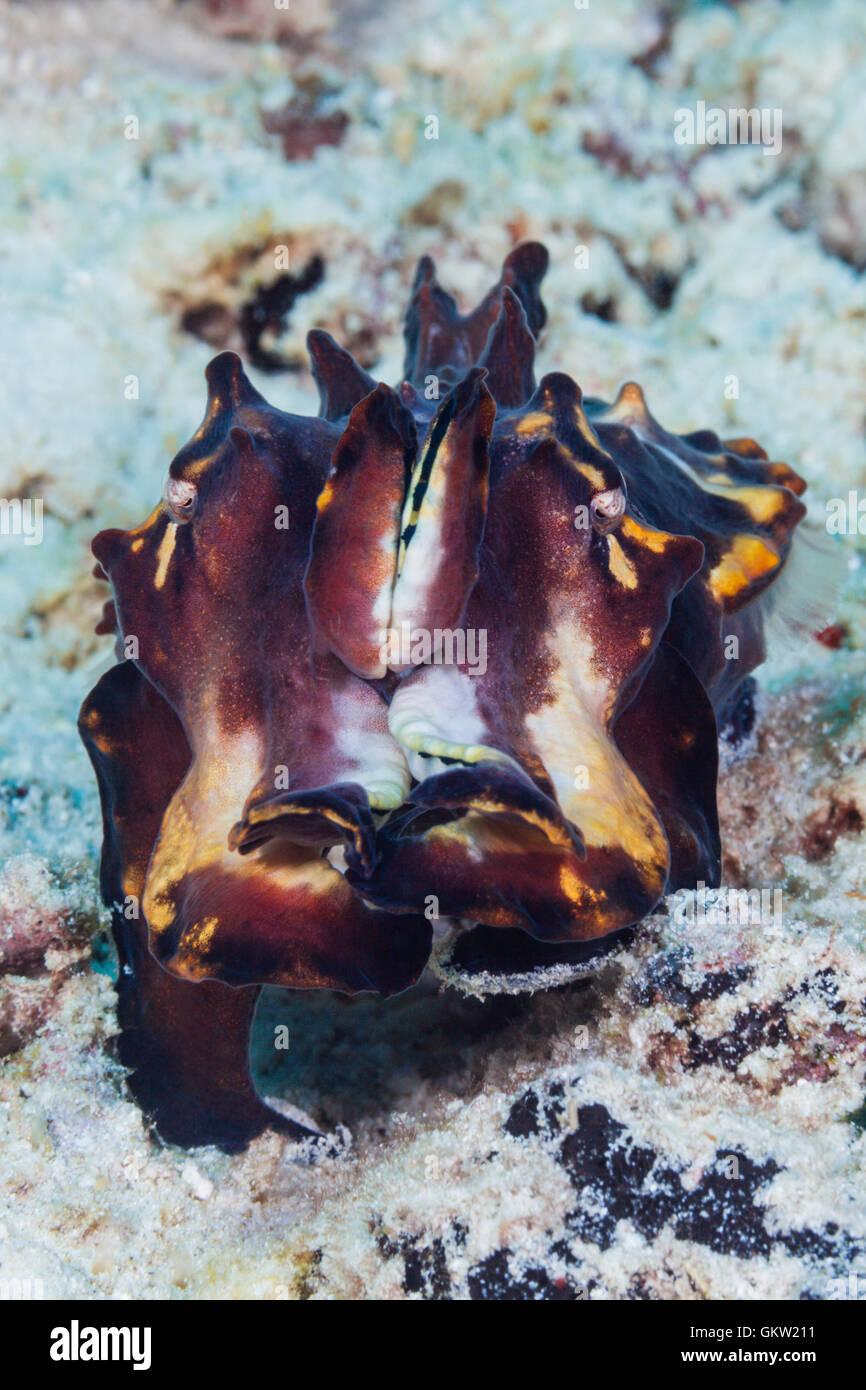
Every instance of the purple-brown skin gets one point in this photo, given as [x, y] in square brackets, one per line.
[185, 1046]
[285, 791]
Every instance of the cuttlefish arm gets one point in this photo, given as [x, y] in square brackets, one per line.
[572, 615]
[280, 913]
[349, 579]
[185, 1045]
[443, 519]
[669, 739]
[394, 548]
[741, 506]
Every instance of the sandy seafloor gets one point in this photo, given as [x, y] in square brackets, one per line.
[576, 1140]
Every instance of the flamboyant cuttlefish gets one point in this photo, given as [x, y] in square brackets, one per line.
[462, 644]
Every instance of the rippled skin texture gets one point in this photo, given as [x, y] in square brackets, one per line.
[459, 644]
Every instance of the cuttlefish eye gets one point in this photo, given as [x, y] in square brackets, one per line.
[179, 498]
[607, 510]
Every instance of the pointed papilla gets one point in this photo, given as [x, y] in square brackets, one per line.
[441, 341]
[353, 551]
[509, 354]
[341, 382]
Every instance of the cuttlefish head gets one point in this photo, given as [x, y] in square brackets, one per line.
[224, 549]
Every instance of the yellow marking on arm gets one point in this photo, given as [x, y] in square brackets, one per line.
[261, 814]
[200, 934]
[620, 565]
[593, 475]
[748, 558]
[589, 435]
[572, 888]
[325, 497]
[746, 447]
[193, 946]
[557, 834]
[148, 525]
[630, 407]
[535, 423]
[106, 745]
[195, 468]
[761, 501]
[656, 541]
[164, 554]
[632, 393]
[614, 811]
